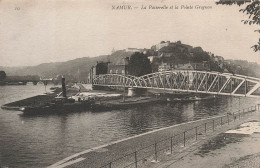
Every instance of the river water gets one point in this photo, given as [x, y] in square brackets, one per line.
[39, 141]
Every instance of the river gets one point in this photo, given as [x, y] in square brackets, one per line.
[39, 141]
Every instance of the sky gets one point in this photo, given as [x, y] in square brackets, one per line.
[35, 31]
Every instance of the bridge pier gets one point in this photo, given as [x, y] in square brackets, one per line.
[131, 92]
[136, 91]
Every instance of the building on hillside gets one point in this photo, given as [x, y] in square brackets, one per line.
[166, 55]
[159, 46]
[151, 58]
[121, 67]
[98, 69]
[134, 50]
[187, 66]
[164, 67]
[201, 66]
[101, 67]
[185, 46]
[193, 66]
[162, 44]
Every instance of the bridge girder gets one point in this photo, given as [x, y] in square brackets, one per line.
[187, 81]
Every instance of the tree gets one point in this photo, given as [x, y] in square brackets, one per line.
[2, 75]
[139, 65]
[101, 68]
[199, 55]
[253, 12]
[177, 53]
[214, 66]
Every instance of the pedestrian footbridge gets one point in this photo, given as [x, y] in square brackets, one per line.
[186, 81]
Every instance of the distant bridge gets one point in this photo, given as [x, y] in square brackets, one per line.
[186, 81]
[26, 79]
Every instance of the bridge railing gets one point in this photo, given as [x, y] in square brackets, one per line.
[173, 143]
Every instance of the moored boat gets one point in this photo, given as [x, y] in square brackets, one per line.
[60, 104]
[57, 107]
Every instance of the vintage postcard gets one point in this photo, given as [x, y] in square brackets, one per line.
[129, 83]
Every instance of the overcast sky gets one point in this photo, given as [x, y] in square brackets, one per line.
[50, 31]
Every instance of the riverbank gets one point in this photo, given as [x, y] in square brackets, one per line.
[154, 148]
[231, 147]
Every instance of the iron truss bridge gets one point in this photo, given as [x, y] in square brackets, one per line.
[186, 81]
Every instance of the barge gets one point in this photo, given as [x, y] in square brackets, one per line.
[62, 106]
